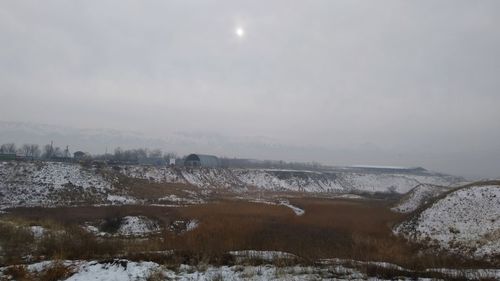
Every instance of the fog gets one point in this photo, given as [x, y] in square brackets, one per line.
[412, 83]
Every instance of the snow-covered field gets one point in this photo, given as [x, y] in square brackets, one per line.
[465, 221]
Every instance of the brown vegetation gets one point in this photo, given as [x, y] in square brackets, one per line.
[330, 228]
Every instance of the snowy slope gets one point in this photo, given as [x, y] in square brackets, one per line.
[50, 183]
[288, 180]
[465, 221]
[154, 174]
[47, 183]
[418, 196]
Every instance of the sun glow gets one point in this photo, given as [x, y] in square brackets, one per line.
[239, 31]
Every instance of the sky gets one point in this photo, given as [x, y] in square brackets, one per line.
[412, 83]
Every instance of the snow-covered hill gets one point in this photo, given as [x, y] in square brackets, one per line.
[50, 183]
[339, 181]
[465, 221]
[418, 196]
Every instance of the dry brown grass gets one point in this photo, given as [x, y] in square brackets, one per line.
[351, 229]
[17, 272]
[78, 215]
[57, 271]
[15, 242]
[150, 190]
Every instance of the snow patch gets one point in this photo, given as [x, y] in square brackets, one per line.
[137, 226]
[114, 271]
[298, 211]
[37, 231]
[119, 199]
[192, 224]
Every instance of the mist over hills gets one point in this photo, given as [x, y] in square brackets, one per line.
[98, 141]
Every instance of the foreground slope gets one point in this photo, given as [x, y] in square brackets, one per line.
[50, 183]
[465, 221]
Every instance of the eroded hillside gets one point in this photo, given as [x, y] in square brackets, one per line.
[52, 184]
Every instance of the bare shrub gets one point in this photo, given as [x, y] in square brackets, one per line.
[76, 243]
[57, 271]
[111, 224]
[18, 272]
[15, 241]
[156, 275]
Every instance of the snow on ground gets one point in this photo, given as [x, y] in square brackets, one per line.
[49, 183]
[466, 221]
[289, 180]
[181, 226]
[94, 230]
[124, 270]
[418, 196]
[298, 211]
[192, 224]
[349, 196]
[268, 256]
[117, 270]
[129, 226]
[206, 178]
[53, 184]
[37, 231]
[282, 202]
[339, 181]
[119, 199]
[172, 198]
[470, 274]
[158, 174]
[137, 226]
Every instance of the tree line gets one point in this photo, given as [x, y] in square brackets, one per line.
[49, 151]
[34, 150]
[133, 156]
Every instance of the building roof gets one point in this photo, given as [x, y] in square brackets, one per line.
[205, 160]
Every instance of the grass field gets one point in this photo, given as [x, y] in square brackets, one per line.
[330, 228]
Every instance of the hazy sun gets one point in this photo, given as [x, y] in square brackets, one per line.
[240, 32]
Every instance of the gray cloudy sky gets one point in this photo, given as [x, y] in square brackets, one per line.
[383, 82]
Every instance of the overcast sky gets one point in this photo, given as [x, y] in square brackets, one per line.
[417, 81]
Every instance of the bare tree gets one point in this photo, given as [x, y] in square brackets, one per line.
[25, 149]
[118, 156]
[30, 150]
[35, 150]
[8, 148]
[48, 151]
